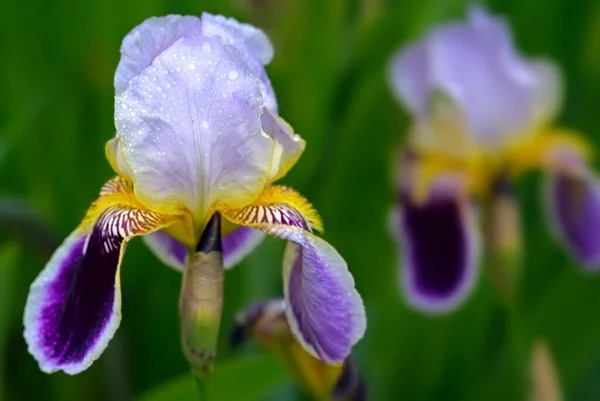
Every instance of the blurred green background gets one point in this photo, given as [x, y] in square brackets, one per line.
[329, 72]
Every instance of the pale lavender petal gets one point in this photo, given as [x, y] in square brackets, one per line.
[324, 310]
[477, 66]
[440, 249]
[238, 244]
[573, 202]
[74, 305]
[167, 249]
[289, 146]
[248, 40]
[547, 91]
[190, 128]
[146, 41]
[243, 36]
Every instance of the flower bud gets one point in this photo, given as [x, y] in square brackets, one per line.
[201, 299]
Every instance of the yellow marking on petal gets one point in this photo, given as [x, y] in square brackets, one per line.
[276, 205]
[129, 216]
[474, 170]
[537, 149]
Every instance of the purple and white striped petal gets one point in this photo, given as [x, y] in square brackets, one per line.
[439, 243]
[324, 310]
[236, 245]
[573, 206]
[74, 305]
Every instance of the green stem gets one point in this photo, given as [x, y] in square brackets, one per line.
[201, 385]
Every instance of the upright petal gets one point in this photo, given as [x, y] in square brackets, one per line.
[243, 36]
[323, 308]
[573, 204]
[190, 128]
[288, 145]
[440, 248]
[467, 61]
[149, 39]
[74, 305]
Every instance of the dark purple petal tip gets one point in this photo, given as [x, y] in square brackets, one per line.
[573, 202]
[440, 247]
[73, 308]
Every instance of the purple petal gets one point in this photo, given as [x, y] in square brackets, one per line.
[74, 306]
[467, 61]
[440, 248]
[573, 202]
[167, 249]
[324, 310]
[238, 244]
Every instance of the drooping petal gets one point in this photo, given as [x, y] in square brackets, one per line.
[239, 243]
[468, 61]
[440, 247]
[167, 249]
[573, 204]
[74, 305]
[323, 308]
[189, 126]
[236, 245]
[288, 145]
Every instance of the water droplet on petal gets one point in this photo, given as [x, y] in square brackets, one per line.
[233, 74]
[192, 66]
[204, 124]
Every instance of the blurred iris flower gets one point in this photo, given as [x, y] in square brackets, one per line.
[481, 115]
[197, 133]
[265, 323]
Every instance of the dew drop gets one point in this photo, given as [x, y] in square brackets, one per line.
[204, 124]
[233, 74]
[192, 66]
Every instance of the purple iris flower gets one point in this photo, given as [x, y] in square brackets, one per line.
[480, 111]
[197, 133]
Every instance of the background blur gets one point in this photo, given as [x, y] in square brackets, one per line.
[329, 72]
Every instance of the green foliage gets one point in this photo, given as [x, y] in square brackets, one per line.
[247, 378]
[329, 72]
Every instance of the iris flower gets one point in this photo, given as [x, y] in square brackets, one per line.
[197, 133]
[481, 114]
[265, 322]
